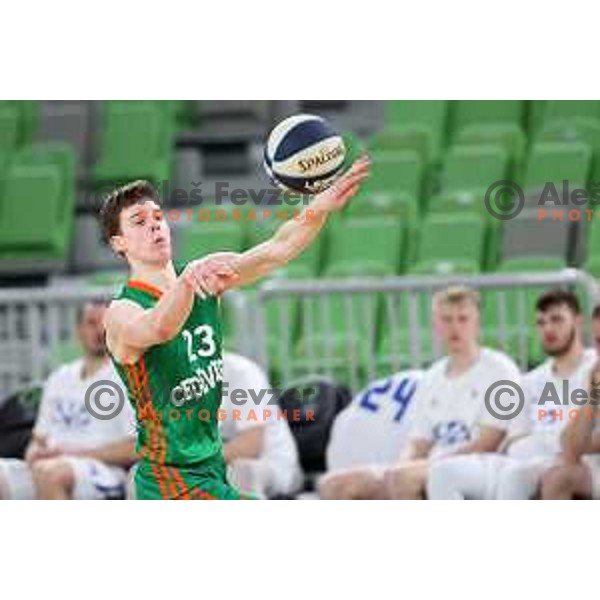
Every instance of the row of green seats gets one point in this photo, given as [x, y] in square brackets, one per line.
[37, 199]
[397, 181]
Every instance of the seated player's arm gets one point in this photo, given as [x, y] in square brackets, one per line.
[121, 453]
[418, 448]
[489, 440]
[247, 444]
[294, 236]
[577, 436]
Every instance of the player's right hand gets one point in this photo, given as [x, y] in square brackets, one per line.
[210, 276]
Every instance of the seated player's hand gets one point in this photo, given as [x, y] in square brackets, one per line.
[339, 194]
[210, 276]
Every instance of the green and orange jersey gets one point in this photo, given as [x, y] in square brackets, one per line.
[176, 389]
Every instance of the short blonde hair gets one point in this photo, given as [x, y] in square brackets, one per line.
[456, 294]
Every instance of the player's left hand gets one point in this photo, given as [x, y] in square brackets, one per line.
[210, 275]
[338, 195]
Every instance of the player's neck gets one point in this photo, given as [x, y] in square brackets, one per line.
[159, 276]
[91, 365]
[460, 362]
[565, 365]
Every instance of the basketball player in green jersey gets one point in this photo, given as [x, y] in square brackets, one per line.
[164, 334]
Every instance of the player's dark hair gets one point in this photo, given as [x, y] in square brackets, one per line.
[557, 297]
[121, 198]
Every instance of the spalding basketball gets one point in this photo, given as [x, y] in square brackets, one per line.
[304, 154]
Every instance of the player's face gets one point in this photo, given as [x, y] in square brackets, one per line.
[91, 330]
[458, 325]
[596, 334]
[145, 235]
[558, 327]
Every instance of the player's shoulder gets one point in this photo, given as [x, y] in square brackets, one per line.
[65, 372]
[496, 359]
[435, 370]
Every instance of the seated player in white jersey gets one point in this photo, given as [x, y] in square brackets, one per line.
[72, 454]
[373, 429]
[534, 439]
[259, 448]
[576, 472]
[449, 415]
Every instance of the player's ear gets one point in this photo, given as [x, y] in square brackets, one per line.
[118, 244]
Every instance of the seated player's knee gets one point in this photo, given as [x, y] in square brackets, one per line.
[52, 473]
[355, 485]
[404, 483]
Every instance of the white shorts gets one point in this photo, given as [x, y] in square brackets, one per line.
[94, 480]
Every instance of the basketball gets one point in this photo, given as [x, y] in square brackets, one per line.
[304, 154]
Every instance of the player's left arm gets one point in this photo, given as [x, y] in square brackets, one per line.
[295, 235]
[489, 440]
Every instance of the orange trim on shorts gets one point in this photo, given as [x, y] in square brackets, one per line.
[137, 284]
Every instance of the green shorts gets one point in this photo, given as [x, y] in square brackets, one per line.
[205, 481]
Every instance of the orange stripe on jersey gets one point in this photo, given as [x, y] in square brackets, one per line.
[136, 284]
[145, 403]
[185, 495]
[161, 440]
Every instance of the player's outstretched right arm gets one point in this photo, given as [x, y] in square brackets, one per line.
[131, 329]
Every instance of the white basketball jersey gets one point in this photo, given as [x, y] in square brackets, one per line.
[548, 404]
[449, 411]
[373, 429]
[64, 418]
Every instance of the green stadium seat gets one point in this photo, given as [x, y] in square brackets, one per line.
[467, 173]
[485, 112]
[577, 129]
[340, 333]
[198, 239]
[394, 185]
[376, 244]
[36, 208]
[592, 261]
[507, 135]
[419, 115]
[558, 161]
[460, 266]
[456, 238]
[136, 142]
[535, 116]
[9, 132]
[27, 117]
[568, 109]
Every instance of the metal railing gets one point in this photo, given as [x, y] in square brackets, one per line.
[35, 323]
[358, 329]
[350, 329]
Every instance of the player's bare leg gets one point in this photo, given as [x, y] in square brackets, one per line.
[407, 482]
[354, 484]
[566, 482]
[53, 478]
